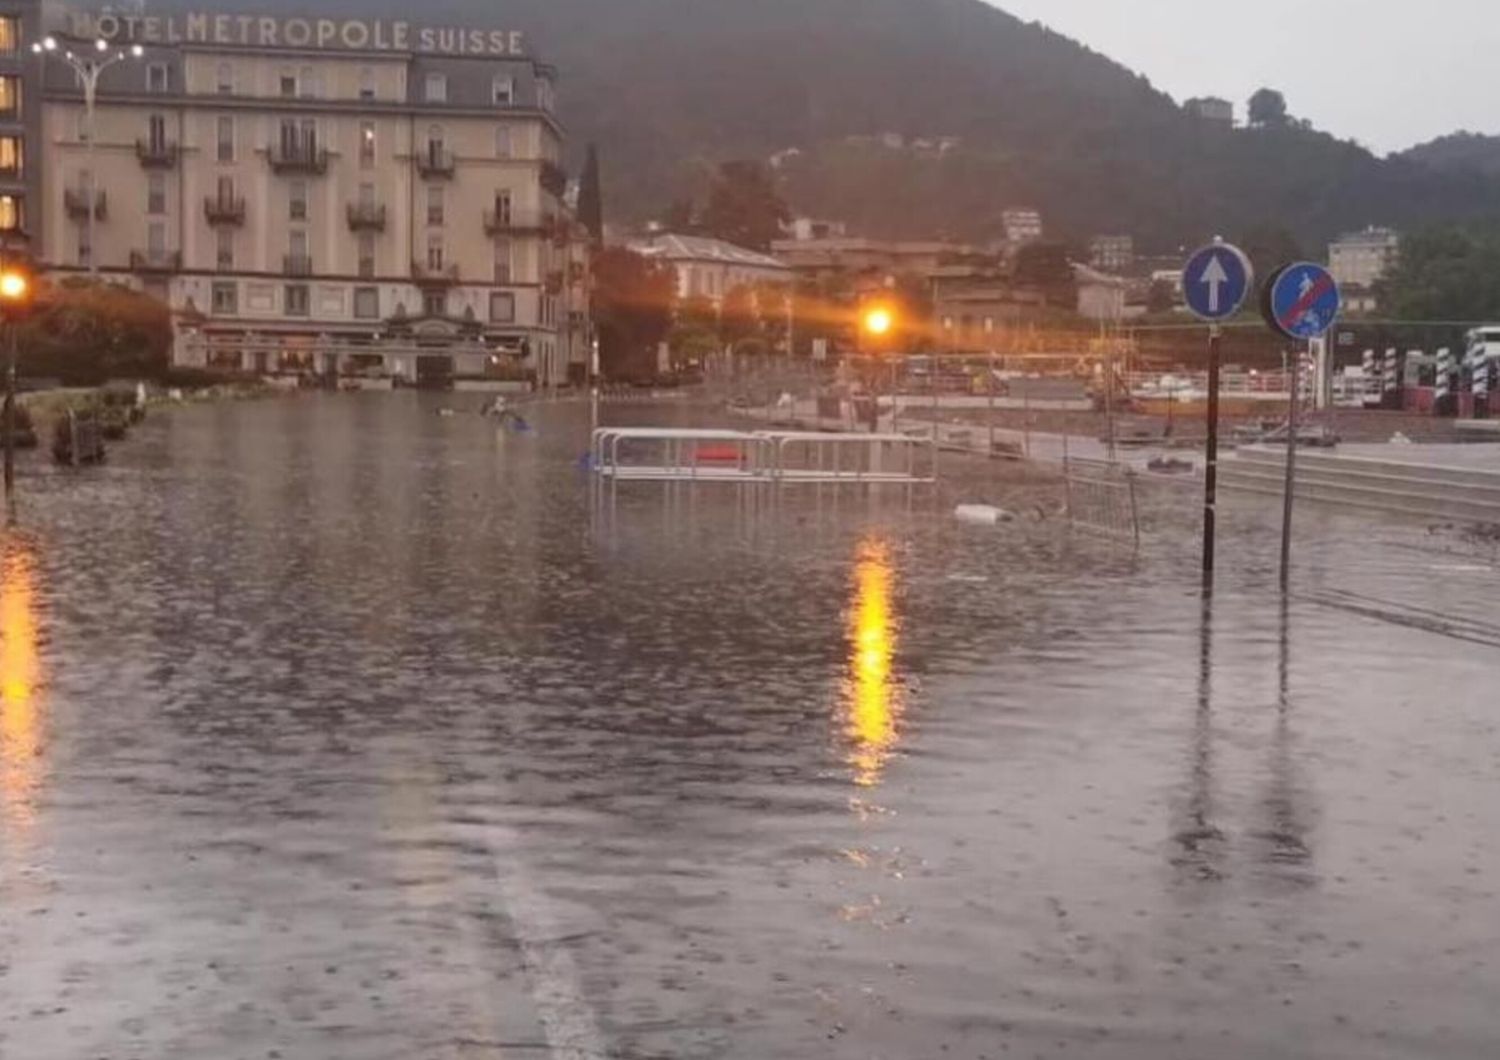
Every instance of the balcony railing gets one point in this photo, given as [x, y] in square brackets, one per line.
[441, 276]
[497, 223]
[435, 161]
[224, 210]
[156, 154]
[297, 264]
[77, 204]
[155, 260]
[298, 158]
[366, 216]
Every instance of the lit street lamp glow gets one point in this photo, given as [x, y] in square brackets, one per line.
[878, 321]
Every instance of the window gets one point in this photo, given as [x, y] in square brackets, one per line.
[156, 194]
[435, 303]
[224, 79]
[367, 255]
[226, 138]
[504, 89]
[366, 144]
[435, 253]
[10, 36]
[10, 94]
[503, 145]
[226, 189]
[434, 142]
[367, 194]
[226, 299]
[307, 82]
[156, 133]
[502, 208]
[288, 84]
[156, 241]
[297, 242]
[224, 249]
[158, 77]
[367, 303]
[296, 300]
[502, 260]
[366, 83]
[297, 200]
[434, 204]
[502, 307]
[437, 88]
[10, 213]
[10, 156]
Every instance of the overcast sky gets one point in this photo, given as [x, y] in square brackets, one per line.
[1389, 73]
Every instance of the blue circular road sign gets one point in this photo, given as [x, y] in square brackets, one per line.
[1216, 281]
[1302, 300]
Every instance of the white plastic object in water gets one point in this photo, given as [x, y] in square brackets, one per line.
[982, 514]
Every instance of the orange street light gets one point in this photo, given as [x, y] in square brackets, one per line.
[15, 287]
[878, 321]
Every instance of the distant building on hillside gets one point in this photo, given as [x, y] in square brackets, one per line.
[711, 268]
[1022, 226]
[1112, 253]
[981, 310]
[1211, 109]
[1358, 259]
[819, 258]
[1100, 296]
[805, 228]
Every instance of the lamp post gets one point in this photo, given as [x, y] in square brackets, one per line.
[88, 65]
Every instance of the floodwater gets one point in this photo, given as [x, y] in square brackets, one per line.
[333, 728]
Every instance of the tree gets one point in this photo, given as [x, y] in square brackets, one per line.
[1045, 267]
[1161, 297]
[695, 331]
[85, 332]
[591, 197]
[680, 217]
[1269, 246]
[632, 303]
[1446, 273]
[1268, 109]
[744, 207]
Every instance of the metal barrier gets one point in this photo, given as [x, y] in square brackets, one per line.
[1101, 498]
[654, 454]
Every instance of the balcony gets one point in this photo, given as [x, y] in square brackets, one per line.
[497, 223]
[156, 154]
[366, 217]
[298, 158]
[224, 211]
[149, 261]
[554, 178]
[428, 276]
[297, 265]
[77, 204]
[435, 162]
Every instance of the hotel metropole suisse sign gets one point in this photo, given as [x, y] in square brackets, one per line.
[267, 32]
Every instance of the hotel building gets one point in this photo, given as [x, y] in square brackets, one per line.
[339, 196]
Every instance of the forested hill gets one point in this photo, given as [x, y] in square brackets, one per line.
[669, 86]
[1459, 152]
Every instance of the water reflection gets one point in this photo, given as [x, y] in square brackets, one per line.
[1201, 842]
[20, 676]
[872, 695]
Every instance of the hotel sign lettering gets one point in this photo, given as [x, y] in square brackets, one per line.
[259, 31]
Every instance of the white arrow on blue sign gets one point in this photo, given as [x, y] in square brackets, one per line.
[1216, 281]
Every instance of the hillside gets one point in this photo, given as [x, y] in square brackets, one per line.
[1460, 152]
[669, 86]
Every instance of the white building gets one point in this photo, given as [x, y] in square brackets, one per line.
[1358, 259]
[711, 268]
[1211, 109]
[1022, 226]
[1100, 296]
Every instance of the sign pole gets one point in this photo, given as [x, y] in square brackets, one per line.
[9, 426]
[1288, 490]
[1211, 460]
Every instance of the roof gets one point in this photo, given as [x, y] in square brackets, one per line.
[704, 249]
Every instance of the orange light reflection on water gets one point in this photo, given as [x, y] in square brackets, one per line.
[874, 701]
[20, 676]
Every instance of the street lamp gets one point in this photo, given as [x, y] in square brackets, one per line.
[15, 300]
[88, 67]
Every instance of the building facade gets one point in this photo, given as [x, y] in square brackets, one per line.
[1112, 253]
[711, 268]
[20, 124]
[1358, 259]
[1022, 226]
[1211, 109]
[312, 195]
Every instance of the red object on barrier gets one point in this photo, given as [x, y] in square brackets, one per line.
[717, 454]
